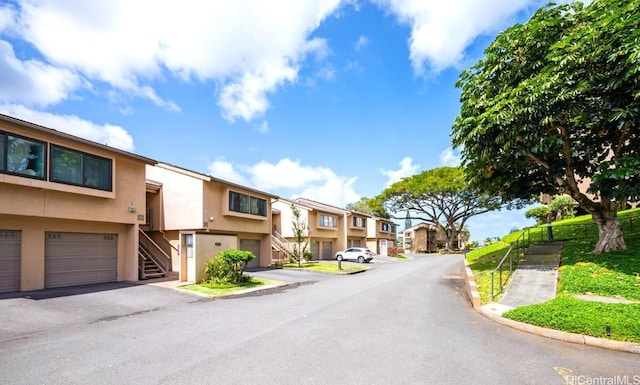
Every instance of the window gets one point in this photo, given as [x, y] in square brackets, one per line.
[80, 169]
[242, 203]
[328, 221]
[22, 156]
[359, 222]
[388, 228]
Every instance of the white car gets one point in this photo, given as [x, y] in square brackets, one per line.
[360, 254]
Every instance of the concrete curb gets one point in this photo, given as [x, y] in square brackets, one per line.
[474, 296]
[472, 287]
[629, 347]
[243, 293]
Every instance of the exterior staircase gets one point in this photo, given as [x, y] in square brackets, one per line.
[280, 248]
[153, 262]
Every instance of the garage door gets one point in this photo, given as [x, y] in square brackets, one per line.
[78, 259]
[315, 250]
[327, 250]
[9, 261]
[252, 245]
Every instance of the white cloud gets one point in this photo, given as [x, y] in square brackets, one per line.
[226, 171]
[449, 157]
[354, 66]
[6, 18]
[263, 127]
[407, 168]
[286, 174]
[441, 31]
[247, 48]
[290, 178]
[362, 42]
[114, 136]
[337, 191]
[32, 82]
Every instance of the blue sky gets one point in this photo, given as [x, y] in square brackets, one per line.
[325, 99]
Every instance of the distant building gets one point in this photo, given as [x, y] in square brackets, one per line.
[428, 238]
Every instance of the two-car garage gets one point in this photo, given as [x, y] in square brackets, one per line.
[69, 259]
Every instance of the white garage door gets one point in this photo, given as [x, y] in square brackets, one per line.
[78, 259]
[9, 261]
[252, 245]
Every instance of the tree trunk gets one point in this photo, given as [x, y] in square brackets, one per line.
[609, 233]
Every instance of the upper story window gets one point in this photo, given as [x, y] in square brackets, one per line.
[359, 222]
[328, 221]
[19, 155]
[80, 169]
[243, 203]
[388, 227]
[28, 157]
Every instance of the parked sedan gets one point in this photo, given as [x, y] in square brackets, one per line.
[360, 254]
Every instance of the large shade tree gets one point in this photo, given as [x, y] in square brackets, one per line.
[554, 103]
[440, 196]
[372, 206]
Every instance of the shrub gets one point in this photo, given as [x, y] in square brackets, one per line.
[228, 266]
[218, 271]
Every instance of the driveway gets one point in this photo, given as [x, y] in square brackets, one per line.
[28, 313]
[399, 323]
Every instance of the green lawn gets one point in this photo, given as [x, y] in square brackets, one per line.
[327, 267]
[215, 290]
[613, 274]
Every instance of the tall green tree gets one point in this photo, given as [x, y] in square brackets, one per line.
[372, 206]
[554, 103]
[440, 196]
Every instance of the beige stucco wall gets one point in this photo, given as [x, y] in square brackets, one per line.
[38, 206]
[182, 199]
[286, 217]
[220, 218]
[207, 246]
[195, 203]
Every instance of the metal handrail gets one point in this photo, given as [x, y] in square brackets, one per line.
[545, 234]
[519, 245]
[153, 251]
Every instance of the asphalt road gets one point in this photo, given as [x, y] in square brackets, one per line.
[405, 322]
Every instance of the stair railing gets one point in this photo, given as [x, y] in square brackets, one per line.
[517, 247]
[280, 242]
[154, 252]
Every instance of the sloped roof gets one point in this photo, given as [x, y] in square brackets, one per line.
[50, 131]
[210, 178]
[321, 206]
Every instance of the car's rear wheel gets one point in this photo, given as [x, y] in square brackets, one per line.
[360, 259]
[339, 257]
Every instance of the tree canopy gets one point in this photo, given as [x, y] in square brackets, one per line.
[371, 206]
[553, 107]
[441, 197]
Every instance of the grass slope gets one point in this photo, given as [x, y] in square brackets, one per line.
[614, 274]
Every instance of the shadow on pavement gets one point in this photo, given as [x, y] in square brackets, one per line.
[67, 291]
